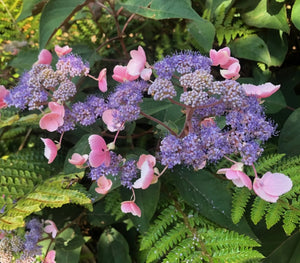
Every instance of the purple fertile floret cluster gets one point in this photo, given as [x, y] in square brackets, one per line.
[34, 234]
[41, 83]
[220, 118]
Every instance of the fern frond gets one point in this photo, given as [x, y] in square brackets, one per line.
[258, 210]
[265, 164]
[166, 218]
[189, 237]
[273, 214]
[112, 204]
[240, 199]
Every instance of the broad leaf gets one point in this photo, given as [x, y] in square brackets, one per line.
[203, 33]
[30, 7]
[267, 14]
[55, 13]
[275, 103]
[150, 107]
[289, 140]
[112, 247]
[296, 14]
[209, 195]
[251, 47]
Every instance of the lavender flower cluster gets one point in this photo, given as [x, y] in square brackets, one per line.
[202, 140]
[42, 82]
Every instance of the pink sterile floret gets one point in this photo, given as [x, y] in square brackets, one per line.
[50, 228]
[61, 51]
[45, 57]
[110, 121]
[232, 72]
[271, 186]
[236, 174]
[3, 93]
[100, 153]
[78, 160]
[146, 74]
[50, 151]
[50, 257]
[51, 121]
[137, 63]
[131, 207]
[145, 164]
[121, 74]
[260, 91]
[220, 57]
[102, 82]
[104, 185]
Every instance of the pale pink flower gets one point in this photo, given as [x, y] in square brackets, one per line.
[50, 151]
[2, 234]
[51, 228]
[100, 153]
[236, 174]
[50, 257]
[271, 186]
[220, 57]
[61, 51]
[137, 62]
[121, 74]
[45, 57]
[232, 72]
[208, 122]
[102, 82]
[131, 207]
[104, 185]
[78, 160]
[3, 93]
[145, 164]
[260, 91]
[146, 74]
[51, 121]
[230, 62]
[110, 121]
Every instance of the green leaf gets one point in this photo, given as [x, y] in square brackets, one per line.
[99, 217]
[295, 14]
[267, 14]
[287, 252]
[277, 45]
[150, 107]
[157, 9]
[203, 32]
[112, 247]
[56, 13]
[29, 8]
[289, 140]
[63, 255]
[24, 60]
[251, 47]
[275, 103]
[209, 195]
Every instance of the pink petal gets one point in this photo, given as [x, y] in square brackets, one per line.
[260, 91]
[61, 51]
[96, 158]
[51, 228]
[51, 121]
[258, 189]
[219, 57]
[45, 57]
[57, 108]
[97, 143]
[146, 74]
[232, 174]
[232, 71]
[50, 149]
[146, 157]
[104, 185]
[131, 207]
[229, 62]
[137, 63]
[78, 159]
[102, 82]
[276, 183]
[50, 257]
[147, 175]
[223, 171]
[244, 180]
[3, 93]
[109, 120]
